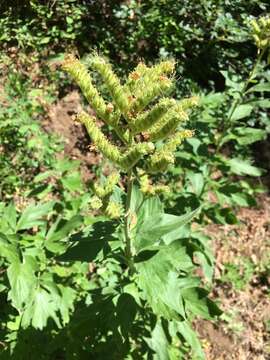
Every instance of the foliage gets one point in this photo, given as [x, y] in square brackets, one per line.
[33, 23]
[227, 124]
[204, 36]
[25, 148]
[109, 271]
[150, 252]
[238, 275]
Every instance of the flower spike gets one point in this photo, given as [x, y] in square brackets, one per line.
[136, 123]
[100, 141]
[116, 90]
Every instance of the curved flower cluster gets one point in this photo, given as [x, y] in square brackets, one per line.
[140, 114]
[101, 200]
[261, 32]
[149, 189]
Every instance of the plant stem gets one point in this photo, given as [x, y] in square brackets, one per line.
[128, 251]
[242, 93]
[240, 98]
[233, 108]
[127, 215]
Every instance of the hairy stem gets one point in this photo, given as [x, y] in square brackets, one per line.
[128, 251]
[127, 215]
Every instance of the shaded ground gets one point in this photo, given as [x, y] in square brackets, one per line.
[242, 288]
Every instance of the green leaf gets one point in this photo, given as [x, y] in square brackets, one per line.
[33, 214]
[8, 250]
[243, 199]
[263, 103]
[11, 216]
[44, 40]
[241, 112]
[147, 208]
[231, 81]
[41, 306]
[195, 144]
[206, 265]
[126, 309]
[60, 231]
[63, 165]
[197, 182]
[66, 302]
[44, 175]
[243, 167]
[248, 135]
[72, 182]
[197, 303]
[167, 227]
[86, 246]
[161, 291]
[22, 282]
[69, 19]
[191, 338]
[174, 225]
[260, 87]
[159, 343]
[245, 135]
[222, 215]
[158, 279]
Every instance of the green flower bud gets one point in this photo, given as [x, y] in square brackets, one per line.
[112, 82]
[264, 43]
[100, 141]
[113, 210]
[161, 189]
[263, 22]
[144, 183]
[255, 26]
[148, 189]
[134, 78]
[80, 74]
[144, 77]
[132, 156]
[168, 125]
[107, 189]
[146, 120]
[159, 122]
[140, 69]
[189, 103]
[257, 40]
[148, 93]
[95, 203]
[261, 32]
[113, 179]
[159, 161]
[176, 140]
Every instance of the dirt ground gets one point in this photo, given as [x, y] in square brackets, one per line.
[244, 332]
[61, 121]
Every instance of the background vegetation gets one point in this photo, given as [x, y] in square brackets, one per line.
[45, 191]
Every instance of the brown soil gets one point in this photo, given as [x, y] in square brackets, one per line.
[60, 120]
[244, 332]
